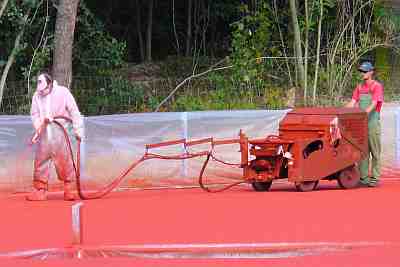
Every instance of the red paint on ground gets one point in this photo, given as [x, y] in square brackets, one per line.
[191, 216]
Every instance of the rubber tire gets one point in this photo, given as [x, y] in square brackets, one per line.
[261, 186]
[349, 177]
[306, 186]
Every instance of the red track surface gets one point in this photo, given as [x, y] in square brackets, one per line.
[366, 216]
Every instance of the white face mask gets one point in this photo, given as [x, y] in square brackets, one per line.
[42, 85]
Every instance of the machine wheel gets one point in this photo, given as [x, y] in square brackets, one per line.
[261, 186]
[349, 177]
[306, 186]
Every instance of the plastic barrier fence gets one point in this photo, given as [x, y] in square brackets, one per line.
[113, 142]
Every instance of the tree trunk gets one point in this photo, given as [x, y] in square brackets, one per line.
[283, 45]
[206, 23]
[213, 34]
[11, 59]
[382, 64]
[297, 41]
[149, 31]
[178, 49]
[3, 6]
[321, 16]
[64, 39]
[139, 29]
[306, 54]
[189, 28]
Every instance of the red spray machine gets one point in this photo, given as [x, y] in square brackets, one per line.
[313, 144]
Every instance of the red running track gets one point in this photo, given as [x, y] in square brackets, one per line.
[357, 227]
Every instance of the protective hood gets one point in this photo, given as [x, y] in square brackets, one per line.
[42, 87]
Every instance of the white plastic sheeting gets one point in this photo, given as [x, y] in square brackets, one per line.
[113, 142]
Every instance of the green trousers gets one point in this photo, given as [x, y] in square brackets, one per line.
[374, 154]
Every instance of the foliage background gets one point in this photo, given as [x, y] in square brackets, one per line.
[249, 43]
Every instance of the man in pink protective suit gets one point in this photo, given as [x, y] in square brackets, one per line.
[50, 101]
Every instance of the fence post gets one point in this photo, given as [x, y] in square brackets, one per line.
[397, 137]
[184, 119]
[77, 231]
[83, 150]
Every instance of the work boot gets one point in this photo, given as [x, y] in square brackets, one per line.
[373, 182]
[69, 194]
[37, 195]
[364, 182]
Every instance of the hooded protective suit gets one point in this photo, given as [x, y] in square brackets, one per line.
[47, 103]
